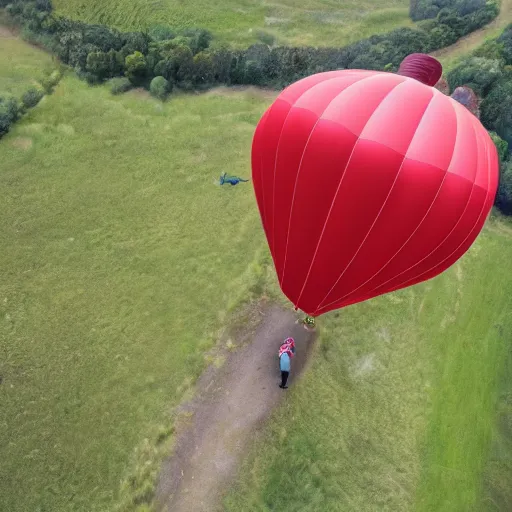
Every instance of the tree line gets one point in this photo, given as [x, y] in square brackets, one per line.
[488, 71]
[186, 59]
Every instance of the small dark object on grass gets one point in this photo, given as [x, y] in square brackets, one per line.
[232, 180]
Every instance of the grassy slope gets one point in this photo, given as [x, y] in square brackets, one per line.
[120, 256]
[298, 22]
[398, 412]
[21, 65]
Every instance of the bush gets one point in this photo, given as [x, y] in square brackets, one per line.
[476, 72]
[159, 87]
[504, 196]
[501, 146]
[50, 80]
[426, 9]
[492, 50]
[9, 112]
[119, 85]
[32, 97]
[496, 111]
[506, 40]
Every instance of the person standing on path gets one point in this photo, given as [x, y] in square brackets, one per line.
[286, 352]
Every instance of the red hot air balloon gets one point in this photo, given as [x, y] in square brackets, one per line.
[368, 182]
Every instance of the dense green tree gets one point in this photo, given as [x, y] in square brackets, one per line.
[203, 69]
[506, 40]
[103, 64]
[136, 68]
[496, 110]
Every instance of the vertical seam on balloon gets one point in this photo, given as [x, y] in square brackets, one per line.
[281, 279]
[335, 197]
[451, 231]
[379, 213]
[274, 176]
[412, 234]
[469, 234]
[264, 210]
[260, 171]
[275, 161]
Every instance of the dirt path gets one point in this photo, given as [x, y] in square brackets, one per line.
[228, 413]
[470, 42]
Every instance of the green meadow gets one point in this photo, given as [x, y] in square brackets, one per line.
[121, 258]
[294, 22]
[407, 405]
[122, 261]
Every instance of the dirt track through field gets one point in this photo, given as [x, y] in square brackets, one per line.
[473, 40]
[233, 404]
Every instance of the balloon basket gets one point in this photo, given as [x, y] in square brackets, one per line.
[309, 323]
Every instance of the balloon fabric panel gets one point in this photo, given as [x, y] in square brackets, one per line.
[368, 182]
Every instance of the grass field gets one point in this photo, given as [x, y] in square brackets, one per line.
[121, 259]
[21, 65]
[398, 412]
[295, 22]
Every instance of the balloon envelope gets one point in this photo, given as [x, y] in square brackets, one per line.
[368, 182]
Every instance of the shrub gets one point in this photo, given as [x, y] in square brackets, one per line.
[119, 85]
[492, 50]
[253, 73]
[497, 111]
[32, 97]
[504, 196]
[50, 80]
[476, 72]
[159, 87]
[9, 112]
[501, 146]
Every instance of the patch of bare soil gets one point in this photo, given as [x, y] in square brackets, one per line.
[6, 32]
[24, 143]
[232, 405]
